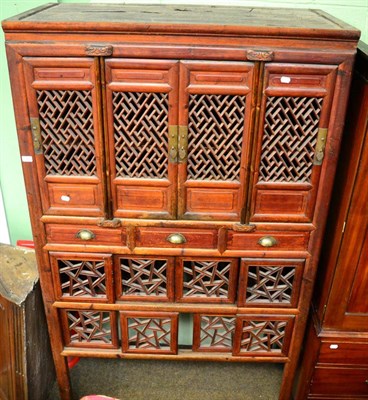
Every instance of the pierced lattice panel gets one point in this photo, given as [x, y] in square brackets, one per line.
[89, 327]
[79, 278]
[263, 336]
[141, 128]
[215, 134]
[66, 121]
[289, 139]
[206, 279]
[150, 333]
[270, 285]
[144, 277]
[216, 333]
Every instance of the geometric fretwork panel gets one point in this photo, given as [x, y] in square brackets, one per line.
[141, 130]
[215, 133]
[289, 139]
[216, 332]
[207, 279]
[66, 121]
[144, 277]
[92, 327]
[270, 284]
[263, 336]
[149, 333]
[80, 278]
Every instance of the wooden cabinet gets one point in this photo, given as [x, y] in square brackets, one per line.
[335, 360]
[178, 166]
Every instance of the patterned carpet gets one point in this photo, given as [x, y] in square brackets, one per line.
[174, 380]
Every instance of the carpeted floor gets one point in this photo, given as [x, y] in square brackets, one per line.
[174, 380]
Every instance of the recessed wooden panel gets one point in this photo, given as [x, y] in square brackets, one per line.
[68, 234]
[269, 282]
[144, 278]
[158, 237]
[282, 205]
[212, 200]
[284, 241]
[142, 198]
[200, 280]
[82, 277]
[149, 332]
[340, 382]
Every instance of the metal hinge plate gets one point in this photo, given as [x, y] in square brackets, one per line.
[183, 144]
[36, 135]
[320, 146]
[173, 143]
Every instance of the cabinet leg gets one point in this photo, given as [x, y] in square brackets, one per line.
[61, 362]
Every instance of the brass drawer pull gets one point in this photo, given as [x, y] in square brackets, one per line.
[267, 241]
[85, 234]
[176, 238]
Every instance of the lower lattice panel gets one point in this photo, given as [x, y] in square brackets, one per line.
[263, 335]
[213, 333]
[95, 329]
[149, 332]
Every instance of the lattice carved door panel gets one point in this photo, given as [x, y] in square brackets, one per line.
[86, 328]
[295, 112]
[269, 282]
[82, 277]
[263, 335]
[213, 332]
[149, 332]
[206, 280]
[214, 134]
[144, 278]
[142, 111]
[63, 106]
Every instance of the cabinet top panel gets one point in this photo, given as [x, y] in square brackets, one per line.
[182, 19]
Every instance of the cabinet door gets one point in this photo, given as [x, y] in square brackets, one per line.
[214, 140]
[64, 108]
[294, 116]
[142, 118]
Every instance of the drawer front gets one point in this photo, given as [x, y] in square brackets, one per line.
[85, 234]
[297, 241]
[166, 238]
[344, 353]
[340, 381]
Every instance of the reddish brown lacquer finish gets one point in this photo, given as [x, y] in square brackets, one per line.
[335, 363]
[173, 164]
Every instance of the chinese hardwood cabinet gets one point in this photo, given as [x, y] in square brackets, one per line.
[335, 360]
[179, 164]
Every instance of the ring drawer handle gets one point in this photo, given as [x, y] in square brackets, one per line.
[267, 241]
[85, 234]
[176, 238]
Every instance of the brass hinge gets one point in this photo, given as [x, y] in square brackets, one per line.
[320, 147]
[183, 143]
[36, 135]
[173, 143]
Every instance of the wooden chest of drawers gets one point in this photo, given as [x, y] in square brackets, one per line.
[178, 165]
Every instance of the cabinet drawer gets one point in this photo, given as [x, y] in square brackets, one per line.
[163, 237]
[282, 240]
[70, 234]
[345, 353]
[340, 381]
